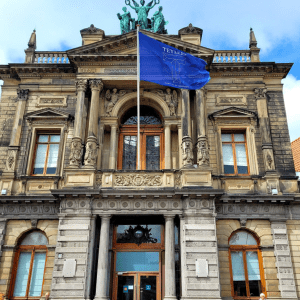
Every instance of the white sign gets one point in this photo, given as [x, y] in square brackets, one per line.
[201, 267]
[69, 268]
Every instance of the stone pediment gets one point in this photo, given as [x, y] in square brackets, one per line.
[47, 114]
[233, 113]
[125, 44]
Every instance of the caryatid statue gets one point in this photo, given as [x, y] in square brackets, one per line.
[125, 20]
[142, 11]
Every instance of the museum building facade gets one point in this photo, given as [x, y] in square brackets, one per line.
[214, 211]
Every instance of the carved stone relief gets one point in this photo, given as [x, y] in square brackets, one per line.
[187, 151]
[171, 98]
[138, 180]
[90, 157]
[11, 160]
[112, 99]
[22, 94]
[76, 152]
[260, 93]
[202, 152]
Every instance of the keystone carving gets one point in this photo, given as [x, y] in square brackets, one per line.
[112, 99]
[202, 152]
[76, 152]
[22, 94]
[187, 151]
[260, 93]
[138, 180]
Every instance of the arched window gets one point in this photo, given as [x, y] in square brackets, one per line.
[29, 266]
[246, 266]
[151, 135]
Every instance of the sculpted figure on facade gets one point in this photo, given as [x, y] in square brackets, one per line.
[76, 152]
[90, 157]
[112, 99]
[202, 152]
[187, 151]
[158, 21]
[125, 20]
[171, 99]
[142, 11]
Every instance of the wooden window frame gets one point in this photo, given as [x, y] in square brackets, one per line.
[244, 249]
[145, 130]
[233, 143]
[33, 250]
[38, 133]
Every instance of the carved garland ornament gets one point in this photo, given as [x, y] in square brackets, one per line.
[138, 180]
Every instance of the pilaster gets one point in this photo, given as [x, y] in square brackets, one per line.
[285, 271]
[2, 234]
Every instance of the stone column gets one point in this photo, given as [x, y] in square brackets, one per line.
[90, 158]
[168, 162]
[100, 137]
[180, 141]
[113, 146]
[202, 143]
[267, 147]
[76, 145]
[285, 272]
[16, 131]
[187, 143]
[102, 272]
[170, 287]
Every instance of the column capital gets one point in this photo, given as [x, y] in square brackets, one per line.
[260, 93]
[81, 85]
[96, 84]
[169, 216]
[105, 217]
[22, 94]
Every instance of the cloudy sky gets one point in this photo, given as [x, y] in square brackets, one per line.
[226, 25]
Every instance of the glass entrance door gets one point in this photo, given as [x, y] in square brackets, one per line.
[137, 286]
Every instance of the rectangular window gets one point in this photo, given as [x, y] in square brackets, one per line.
[235, 157]
[46, 154]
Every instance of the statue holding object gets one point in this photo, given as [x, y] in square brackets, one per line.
[158, 21]
[125, 20]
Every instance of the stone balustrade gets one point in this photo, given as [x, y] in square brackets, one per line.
[54, 57]
[232, 56]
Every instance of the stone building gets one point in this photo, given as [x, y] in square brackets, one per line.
[213, 214]
[296, 154]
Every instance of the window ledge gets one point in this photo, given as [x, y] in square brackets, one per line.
[40, 177]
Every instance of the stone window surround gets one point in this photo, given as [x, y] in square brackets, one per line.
[35, 129]
[251, 146]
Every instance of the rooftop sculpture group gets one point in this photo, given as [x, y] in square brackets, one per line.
[155, 24]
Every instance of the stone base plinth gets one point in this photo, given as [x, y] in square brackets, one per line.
[196, 177]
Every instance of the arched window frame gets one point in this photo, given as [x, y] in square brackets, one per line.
[145, 131]
[244, 249]
[27, 248]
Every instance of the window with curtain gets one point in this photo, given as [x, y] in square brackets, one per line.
[46, 154]
[151, 137]
[246, 266]
[235, 158]
[30, 260]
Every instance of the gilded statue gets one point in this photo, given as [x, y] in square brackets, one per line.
[125, 20]
[142, 11]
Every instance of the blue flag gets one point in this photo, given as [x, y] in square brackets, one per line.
[169, 66]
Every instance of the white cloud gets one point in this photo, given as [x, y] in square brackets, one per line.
[291, 92]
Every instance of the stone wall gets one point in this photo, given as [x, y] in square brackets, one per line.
[14, 230]
[262, 228]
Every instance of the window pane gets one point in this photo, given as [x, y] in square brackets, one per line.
[125, 232]
[226, 137]
[55, 138]
[137, 261]
[228, 159]
[238, 271]
[242, 238]
[52, 159]
[241, 158]
[129, 152]
[253, 273]
[43, 139]
[37, 275]
[40, 158]
[35, 238]
[239, 137]
[22, 274]
[152, 152]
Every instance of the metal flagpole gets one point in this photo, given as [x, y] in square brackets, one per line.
[138, 100]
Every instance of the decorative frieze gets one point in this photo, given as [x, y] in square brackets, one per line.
[138, 180]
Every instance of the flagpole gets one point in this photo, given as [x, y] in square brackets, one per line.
[138, 100]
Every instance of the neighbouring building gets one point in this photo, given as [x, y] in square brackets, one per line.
[213, 214]
[296, 154]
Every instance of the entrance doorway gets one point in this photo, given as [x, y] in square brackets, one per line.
[138, 286]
